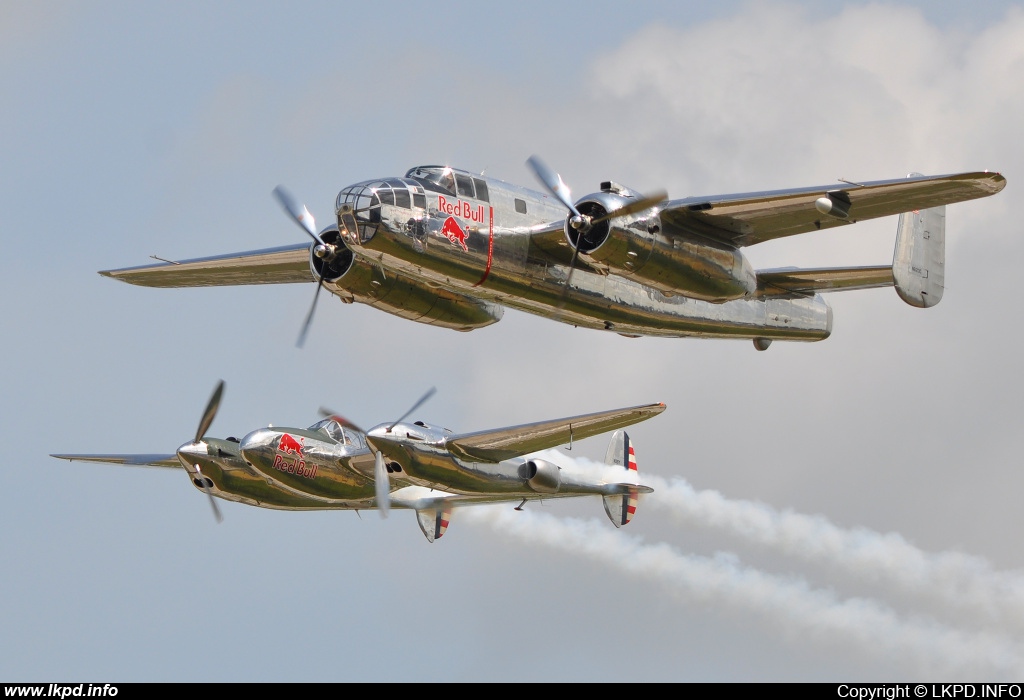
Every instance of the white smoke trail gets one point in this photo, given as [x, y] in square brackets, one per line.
[955, 579]
[722, 579]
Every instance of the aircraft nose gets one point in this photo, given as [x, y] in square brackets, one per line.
[257, 445]
[191, 450]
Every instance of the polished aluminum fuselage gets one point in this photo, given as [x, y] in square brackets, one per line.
[490, 254]
[304, 469]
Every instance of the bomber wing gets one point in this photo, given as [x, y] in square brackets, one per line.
[280, 265]
[755, 217]
[505, 443]
[154, 460]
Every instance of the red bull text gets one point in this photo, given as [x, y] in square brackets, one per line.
[463, 210]
[295, 466]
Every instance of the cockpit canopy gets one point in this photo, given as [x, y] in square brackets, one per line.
[335, 431]
[441, 178]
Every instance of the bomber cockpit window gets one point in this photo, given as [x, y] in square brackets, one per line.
[465, 183]
[436, 178]
[481, 190]
[520, 206]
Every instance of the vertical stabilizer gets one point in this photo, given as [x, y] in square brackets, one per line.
[918, 264]
[434, 521]
[621, 507]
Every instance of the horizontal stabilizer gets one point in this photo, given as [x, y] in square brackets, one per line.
[280, 265]
[170, 461]
[791, 281]
[506, 443]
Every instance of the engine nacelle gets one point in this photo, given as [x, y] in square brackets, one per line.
[542, 476]
[355, 280]
[636, 247]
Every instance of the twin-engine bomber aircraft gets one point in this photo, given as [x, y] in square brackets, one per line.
[451, 248]
[333, 464]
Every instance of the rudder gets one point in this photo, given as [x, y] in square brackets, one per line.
[918, 263]
[621, 507]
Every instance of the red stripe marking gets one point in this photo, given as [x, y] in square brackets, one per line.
[490, 247]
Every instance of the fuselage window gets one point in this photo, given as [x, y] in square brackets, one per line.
[520, 206]
[419, 201]
[386, 195]
[481, 190]
[465, 183]
[402, 198]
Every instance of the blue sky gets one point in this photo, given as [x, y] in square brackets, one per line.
[853, 512]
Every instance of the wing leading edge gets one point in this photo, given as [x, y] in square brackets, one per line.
[137, 460]
[755, 217]
[506, 443]
[282, 265]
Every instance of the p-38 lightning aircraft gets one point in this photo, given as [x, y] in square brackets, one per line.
[333, 464]
[451, 248]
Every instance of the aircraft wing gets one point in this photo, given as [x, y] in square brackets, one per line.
[791, 281]
[268, 266]
[170, 461]
[505, 443]
[755, 217]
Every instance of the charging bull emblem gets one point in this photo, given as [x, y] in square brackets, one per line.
[454, 233]
[289, 445]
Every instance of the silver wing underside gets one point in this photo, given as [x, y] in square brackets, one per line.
[506, 443]
[282, 265]
[755, 217]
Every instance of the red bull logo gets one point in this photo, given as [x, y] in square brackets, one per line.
[454, 233]
[290, 445]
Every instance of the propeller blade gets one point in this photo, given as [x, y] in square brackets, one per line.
[198, 476]
[381, 484]
[568, 279]
[309, 316]
[341, 420]
[430, 392]
[213, 504]
[210, 412]
[651, 200]
[553, 181]
[299, 213]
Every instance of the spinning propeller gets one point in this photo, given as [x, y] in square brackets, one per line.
[381, 480]
[204, 425]
[325, 251]
[584, 223]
